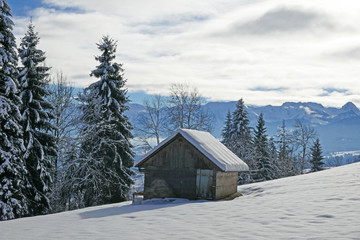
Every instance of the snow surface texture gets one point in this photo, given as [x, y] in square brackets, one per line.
[321, 205]
[207, 144]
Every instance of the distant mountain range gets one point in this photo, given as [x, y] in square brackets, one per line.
[338, 128]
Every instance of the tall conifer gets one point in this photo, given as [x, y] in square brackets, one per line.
[226, 132]
[106, 151]
[316, 156]
[241, 139]
[35, 110]
[262, 153]
[12, 167]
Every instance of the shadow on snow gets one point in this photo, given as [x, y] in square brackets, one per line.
[147, 205]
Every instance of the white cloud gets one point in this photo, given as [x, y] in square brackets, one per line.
[283, 20]
[266, 52]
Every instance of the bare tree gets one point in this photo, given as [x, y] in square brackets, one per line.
[152, 123]
[303, 136]
[284, 156]
[62, 98]
[185, 109]
[336, 161]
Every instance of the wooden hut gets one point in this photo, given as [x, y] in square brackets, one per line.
[190, 164]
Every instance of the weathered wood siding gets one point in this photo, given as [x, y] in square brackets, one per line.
[170, 182]
[226, 184]
[179, 153]
[172, 170]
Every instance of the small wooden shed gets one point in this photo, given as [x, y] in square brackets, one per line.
[190, 164]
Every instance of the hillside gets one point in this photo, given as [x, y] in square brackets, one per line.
[323, 205]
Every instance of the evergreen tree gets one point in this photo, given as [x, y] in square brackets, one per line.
[226, 132]
[35, 110]
[106, 152]
[13, 201]
[316, 156]
[262, 153]
[241, 139]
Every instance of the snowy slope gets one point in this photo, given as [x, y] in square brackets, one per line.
[323, 205]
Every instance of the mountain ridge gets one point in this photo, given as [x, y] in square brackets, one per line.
[338, 128]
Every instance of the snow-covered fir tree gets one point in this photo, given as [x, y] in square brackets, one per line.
[226, 132]
[35, 110]
[13, 201]
[262, 153]
[106, 152]
[241, 139]
[316, 156]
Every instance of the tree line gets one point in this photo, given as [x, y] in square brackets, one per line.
[286, 154]
[290, 152]
[58, 150]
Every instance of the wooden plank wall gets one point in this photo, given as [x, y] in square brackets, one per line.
[179, 153]
[171, 171]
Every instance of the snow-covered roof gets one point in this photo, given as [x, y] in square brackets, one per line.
[208, 145]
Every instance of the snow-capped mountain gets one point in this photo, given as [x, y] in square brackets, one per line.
[338, 128]
[314, 113]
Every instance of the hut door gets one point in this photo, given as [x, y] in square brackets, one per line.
[204, 183]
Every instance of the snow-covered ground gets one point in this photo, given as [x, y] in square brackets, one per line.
[323, 205]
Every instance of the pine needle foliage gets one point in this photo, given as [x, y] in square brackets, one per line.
[106, 152]
[13, 173]
[40, 144]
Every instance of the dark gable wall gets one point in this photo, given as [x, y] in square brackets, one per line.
[171, 171]
[179, 153]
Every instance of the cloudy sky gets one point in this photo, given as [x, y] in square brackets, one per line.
[264, 51]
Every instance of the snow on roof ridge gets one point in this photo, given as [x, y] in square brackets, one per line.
[208, 145]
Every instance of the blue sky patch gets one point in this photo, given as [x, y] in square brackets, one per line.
[173, 21]
[265, 89]
[23, 8]
[329, 91]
